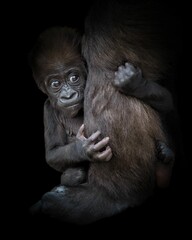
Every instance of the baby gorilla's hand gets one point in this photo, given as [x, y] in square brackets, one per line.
[92, 149]
[128, 77]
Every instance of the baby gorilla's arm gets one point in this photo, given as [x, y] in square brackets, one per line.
[129, 80]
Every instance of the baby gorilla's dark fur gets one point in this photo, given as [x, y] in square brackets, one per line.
[60, 72]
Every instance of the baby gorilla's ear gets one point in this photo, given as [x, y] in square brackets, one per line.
[42, 87]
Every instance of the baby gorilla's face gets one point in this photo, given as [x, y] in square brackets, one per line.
[65, 88]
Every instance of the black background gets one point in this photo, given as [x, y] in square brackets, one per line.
[30, 176]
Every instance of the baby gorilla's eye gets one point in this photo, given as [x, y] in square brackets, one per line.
[55, 84]
[73, 78]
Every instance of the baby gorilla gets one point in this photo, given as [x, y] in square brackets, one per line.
[60, 72]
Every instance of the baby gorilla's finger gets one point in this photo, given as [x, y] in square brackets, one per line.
[81, 131]
[109, 157]
[98, 146]
[105, 155]
[120, 68]
[130, 66]
[94, 136]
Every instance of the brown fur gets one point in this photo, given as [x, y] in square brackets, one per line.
[132, 128]
[135, 34]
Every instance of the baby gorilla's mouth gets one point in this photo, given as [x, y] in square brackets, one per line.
[72, 110]
[73, 106]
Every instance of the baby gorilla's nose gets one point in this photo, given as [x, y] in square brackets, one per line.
[66, 95]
